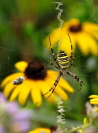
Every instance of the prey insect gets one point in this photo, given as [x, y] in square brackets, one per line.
[63, 62]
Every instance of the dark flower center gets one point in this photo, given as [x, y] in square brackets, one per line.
[53, 128]
[75, 28]
[35, 71]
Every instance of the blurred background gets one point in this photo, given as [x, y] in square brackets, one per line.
[24, 24]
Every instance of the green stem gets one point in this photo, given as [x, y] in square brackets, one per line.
[81, 127]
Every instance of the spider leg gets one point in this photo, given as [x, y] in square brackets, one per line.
[52, 89]
[72, 55]
[52, 51]
[76, 77]
[70, 64]
[55, 59]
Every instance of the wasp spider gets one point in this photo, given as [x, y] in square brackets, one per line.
[62, 63]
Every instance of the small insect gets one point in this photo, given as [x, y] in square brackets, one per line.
[62, 63]
[18, 81]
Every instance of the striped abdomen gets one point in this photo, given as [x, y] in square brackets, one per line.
[62, 59]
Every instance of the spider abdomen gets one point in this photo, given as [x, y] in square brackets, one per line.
[62, 59]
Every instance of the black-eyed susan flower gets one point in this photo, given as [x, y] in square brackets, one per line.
[94, 99]
[37, 80]
[82, 34]
[40, 130]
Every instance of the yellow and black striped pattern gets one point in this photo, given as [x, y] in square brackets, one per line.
[63, 62]
[62, 59]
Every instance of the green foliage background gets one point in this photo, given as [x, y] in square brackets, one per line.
[24, 24]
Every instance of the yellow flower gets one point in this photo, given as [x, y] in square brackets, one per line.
[94, 99]
[41, 130]
[37, 80]
[82, 34]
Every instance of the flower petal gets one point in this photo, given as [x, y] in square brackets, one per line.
[11, 77]
[65, 85]
[92, 33]
[36, 94]
[8, 89]
[90, 26]
[52, 73]
[94, 100]
[25, 91]
[61, 93]
[95, 103]
[71, 22]
[15, 93]
[54, 37]
[66, 44]
[44, 89]
[87, 44]
[21, 65]
[41, 130]
[93, 96]
[50, 81]
[62, 83]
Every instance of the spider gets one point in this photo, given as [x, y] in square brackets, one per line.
[62, 63]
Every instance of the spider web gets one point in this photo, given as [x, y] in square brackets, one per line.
[11, 49]
[91, 60]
